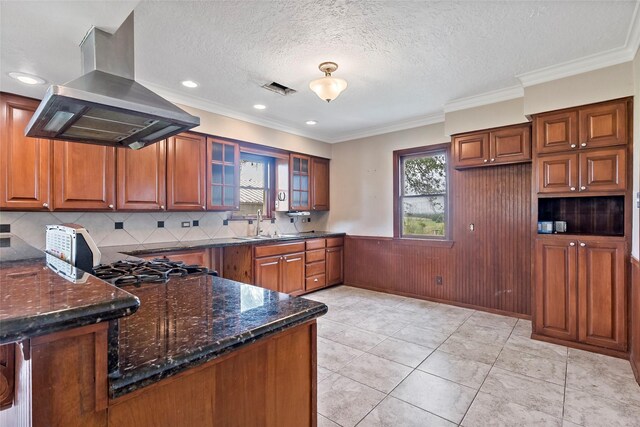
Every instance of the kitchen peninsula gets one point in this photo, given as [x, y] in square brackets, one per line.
[199, 350]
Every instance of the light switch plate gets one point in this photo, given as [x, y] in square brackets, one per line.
[186, 224]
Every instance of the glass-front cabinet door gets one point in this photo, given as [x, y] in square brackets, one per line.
[223, 174]
[300, 171]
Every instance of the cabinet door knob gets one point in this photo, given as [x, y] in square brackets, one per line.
[485, 160]
[204, 207]
[45, 205]
[572, 244]
[584, 144]
[583, 244]
[162, 207]
[573, 145]
[573, 188]
[315, 280]
[583, 188]
[493, 160]
[110, 206]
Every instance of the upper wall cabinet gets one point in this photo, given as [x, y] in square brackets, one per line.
[600, 125]
[300, 172]
[319, 184]
[84, 176]
[186, 176]
[24, 162]
[142, 178]
[223, 174]
[505, 145]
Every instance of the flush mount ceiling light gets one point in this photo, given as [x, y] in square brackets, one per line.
[189, 83]
[28, 79]
[311, 122]
[259, 106]
[328, 88]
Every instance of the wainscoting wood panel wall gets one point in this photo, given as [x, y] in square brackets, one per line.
[634, 329]
[489, 267]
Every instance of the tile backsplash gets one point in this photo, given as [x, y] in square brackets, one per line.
[122, 228]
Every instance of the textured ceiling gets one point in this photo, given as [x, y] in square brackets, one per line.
[403, 60]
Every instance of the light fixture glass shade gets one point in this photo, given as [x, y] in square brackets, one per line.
[328, 88]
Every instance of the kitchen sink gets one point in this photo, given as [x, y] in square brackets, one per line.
[280, 236]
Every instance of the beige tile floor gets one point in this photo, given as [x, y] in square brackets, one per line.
[386, 360]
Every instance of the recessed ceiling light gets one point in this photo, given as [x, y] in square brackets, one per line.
[259, 106]
[27, 78]
[311, 122]
[189, 83]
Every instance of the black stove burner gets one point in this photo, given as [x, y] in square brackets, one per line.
[158, 270]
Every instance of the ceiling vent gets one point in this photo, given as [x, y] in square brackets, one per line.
[278, 88]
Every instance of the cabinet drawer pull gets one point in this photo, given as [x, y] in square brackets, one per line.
[573, 145]
[583, 188]
[493, 160]
[584, 144]
[315, 280]
[110, 206]
[583, 244]
[485, 160]
[45, 205]
[572, 244]
[573, 188]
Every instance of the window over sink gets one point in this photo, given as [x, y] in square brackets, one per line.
[256, 185]
[421, 199]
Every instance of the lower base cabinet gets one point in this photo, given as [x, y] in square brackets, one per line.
[335, 265]
[580, 290]
[280, 267]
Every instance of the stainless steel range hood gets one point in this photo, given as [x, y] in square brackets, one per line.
[106, 106]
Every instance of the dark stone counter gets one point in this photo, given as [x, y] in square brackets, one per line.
[191, 320]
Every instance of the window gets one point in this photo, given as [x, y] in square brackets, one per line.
[421, 196]
[256, 174]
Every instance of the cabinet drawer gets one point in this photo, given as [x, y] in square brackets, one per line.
[280, 249]
[315, 268]
[315, 282]
[315, 244]
[315, 255]
[332, 242]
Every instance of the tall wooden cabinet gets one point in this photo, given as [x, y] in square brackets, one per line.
[506, 145]
[142, 178]
[84, 176]
[186, 174]
[24, 162]
[319, 184]
[223, 174]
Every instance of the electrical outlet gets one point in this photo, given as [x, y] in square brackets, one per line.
[196, 223]
[291, 219]
[438, 280]
[250, 222]
[225, 222]
[186, 224]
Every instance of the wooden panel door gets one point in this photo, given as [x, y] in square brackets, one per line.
[267, 272]
[24, 162]
[471, 150]
[556, 302]
[299, 172]
[223, 174]
[557, 132]
[186, 176]
[510, 145]
[84, 176]
[319, 184]
[558, 174]
[603, 170]
[603, 125]
[292, 278]
[142, 177]
[602, 294]
[335, 265]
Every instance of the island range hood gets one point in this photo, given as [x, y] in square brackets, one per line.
[105, 106]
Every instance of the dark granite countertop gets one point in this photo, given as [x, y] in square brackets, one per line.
[35, 299]
[191, 320]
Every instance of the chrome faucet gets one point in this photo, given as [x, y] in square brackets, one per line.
[259, 220]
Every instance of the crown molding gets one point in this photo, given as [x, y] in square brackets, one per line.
[585, 64]
[393, 127]
[485, 98]
[213, 107]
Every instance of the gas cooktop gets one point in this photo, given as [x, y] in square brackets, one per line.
[159, 270]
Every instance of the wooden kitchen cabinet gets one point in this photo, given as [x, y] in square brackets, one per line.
[506, 145]
[593, 171]
[319, 184]
[335, 265]
[603, 125]
[580, 290]
[201, 257]
[602, 294]
[142, 178]
[24, 162]
[299, 172]
[556, 132]
[186, 174]
[556, 305]
[84, 176]
[280, 267]
[223, 174]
